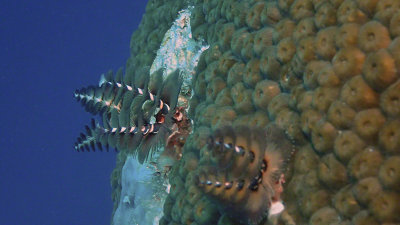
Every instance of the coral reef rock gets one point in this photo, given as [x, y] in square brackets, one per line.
[325, 72]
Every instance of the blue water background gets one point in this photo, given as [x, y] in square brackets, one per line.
[47, 50]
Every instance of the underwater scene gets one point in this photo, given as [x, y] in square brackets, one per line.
[253, 112]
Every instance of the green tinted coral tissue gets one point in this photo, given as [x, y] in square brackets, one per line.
[324, 71]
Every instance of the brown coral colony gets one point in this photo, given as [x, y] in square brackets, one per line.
[330, 79]
[317, 78]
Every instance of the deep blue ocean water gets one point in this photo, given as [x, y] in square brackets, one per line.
[48, 49]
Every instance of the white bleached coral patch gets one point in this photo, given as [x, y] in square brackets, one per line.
[142, 197]
[179, 50]
[142, 194]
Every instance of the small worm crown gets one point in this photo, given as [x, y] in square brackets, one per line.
[242, 169]
[136, 115]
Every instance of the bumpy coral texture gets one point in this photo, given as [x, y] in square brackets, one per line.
[325, 71]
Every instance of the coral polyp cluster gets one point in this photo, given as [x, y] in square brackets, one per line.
[324, 72]
[328, 75]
